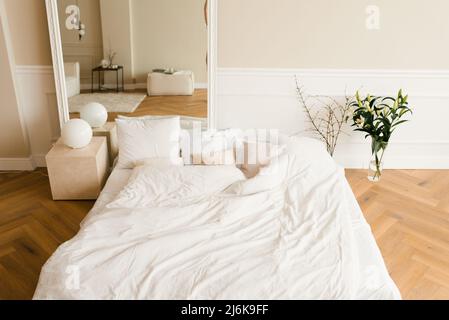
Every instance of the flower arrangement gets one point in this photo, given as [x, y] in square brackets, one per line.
[111, 55]
[379, 117]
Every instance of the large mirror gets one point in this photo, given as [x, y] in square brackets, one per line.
[133, 57]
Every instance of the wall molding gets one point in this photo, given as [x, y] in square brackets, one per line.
[422, 83]
[34, 69]
[266, 98]
[336, 72]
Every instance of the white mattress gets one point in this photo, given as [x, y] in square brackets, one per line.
[375, 282]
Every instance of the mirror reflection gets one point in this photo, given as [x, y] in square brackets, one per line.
[135, 57]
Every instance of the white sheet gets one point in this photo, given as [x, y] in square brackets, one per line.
[231, 248]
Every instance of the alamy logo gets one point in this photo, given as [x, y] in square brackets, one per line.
[373, 17]
[73, 11]
[228, 147]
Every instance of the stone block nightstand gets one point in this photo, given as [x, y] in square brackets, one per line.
[78, 174]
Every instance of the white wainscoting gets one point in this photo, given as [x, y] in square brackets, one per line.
[266, 98]
[37, 97]
[88, 55]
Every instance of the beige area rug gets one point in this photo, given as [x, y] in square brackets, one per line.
[113, 102]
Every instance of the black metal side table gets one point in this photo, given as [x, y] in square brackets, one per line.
[101, 71]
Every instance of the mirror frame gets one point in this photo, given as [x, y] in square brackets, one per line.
[58, 61]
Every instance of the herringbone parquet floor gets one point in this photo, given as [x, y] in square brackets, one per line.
[408, 211]
[32, 226]
[409, 214]
[193, 106]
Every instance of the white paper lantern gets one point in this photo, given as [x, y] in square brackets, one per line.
[94, 114]
[76, 133]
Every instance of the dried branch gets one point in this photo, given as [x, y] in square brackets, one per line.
[327, 117]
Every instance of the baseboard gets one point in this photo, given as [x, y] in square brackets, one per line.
[39, 161]
[198, 85]
[17, 164]
[399, 163]
[23, 164]
[137, 86]
[128, 86]
[201, 85]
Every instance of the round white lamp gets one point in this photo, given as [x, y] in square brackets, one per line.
[94, 114]
[76, 133]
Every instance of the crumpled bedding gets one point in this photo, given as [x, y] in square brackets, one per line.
[294, 241]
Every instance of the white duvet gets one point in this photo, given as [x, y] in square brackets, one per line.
[173, 233]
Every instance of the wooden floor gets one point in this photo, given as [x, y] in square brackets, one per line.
[408, 211]
[193, 106]
[32, 226]
[409, 215]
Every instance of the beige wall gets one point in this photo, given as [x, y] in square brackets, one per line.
[29, 129]
[332, 34]
[89, 51]
[29, 31]
[12, 138]
[116, 26]
[169, 33]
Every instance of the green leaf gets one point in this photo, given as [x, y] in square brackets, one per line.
[388, 99]
[398, 123]
[403, 112]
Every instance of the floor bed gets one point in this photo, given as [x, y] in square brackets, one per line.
[373, 279]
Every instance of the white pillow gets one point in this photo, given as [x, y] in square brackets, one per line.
[141, 139]
[269, 177]
[187, 126]
[160, 162]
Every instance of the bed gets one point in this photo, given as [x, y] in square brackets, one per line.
[303, 239]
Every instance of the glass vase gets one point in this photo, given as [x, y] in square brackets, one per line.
[375, 169]
[376, 164]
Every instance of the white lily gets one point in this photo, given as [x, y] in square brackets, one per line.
[368, 108]
[360, 122]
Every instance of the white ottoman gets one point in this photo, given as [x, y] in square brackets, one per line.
[181, 83]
